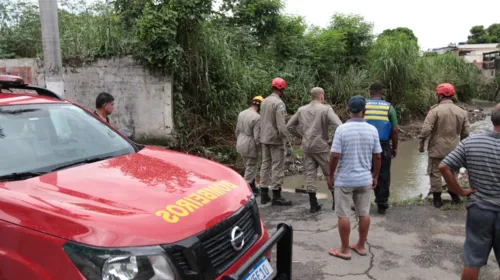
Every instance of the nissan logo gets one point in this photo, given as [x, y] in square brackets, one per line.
[237, 238]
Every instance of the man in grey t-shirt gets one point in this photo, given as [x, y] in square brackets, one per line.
[480, 155]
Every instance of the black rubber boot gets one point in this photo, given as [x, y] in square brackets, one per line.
[255, 190]
[454, 198]
[382, 210]
[264, 196]
[333, 204]
[437, 201]
[278, 200]
[313, 201]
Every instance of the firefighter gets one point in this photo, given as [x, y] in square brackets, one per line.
[445, 125]
[310, 123]
[273, 137]
[248, 140]
[382, 115]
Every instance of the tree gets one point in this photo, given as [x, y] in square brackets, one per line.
[290, 38]
[400, 30]
[262, 16]
[357, 36]
[394, 62]
[480, 35]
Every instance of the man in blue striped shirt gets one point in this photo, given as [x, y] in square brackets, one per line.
[356, 148]
[480, 155]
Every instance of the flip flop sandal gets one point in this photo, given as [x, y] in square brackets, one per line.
[353, 247]
[335, 254]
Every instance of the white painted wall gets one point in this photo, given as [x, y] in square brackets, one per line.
[143, 102]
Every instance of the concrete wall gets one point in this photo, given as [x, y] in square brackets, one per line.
[143, 103]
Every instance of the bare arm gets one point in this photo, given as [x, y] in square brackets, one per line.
[334, 161]
[452, 182]
[336, 152]
[395, 137]
[377, 162]
[450, 179]
[453, 162]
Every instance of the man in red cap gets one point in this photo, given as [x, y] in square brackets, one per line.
[273, 137]
[445, 125]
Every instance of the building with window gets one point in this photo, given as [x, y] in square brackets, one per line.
[491, 63]
[485, 56]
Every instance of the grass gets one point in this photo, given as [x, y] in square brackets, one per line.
[155, 141]
[421, 201]
[297, 152]
[454, 207]
[415, 201]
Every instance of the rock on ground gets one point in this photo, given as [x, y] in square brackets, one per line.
[413, 242]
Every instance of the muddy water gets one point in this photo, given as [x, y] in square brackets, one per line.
[408, 172]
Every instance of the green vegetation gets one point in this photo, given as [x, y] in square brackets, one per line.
[420, 200]
[408, 33]
[220, 57]
[480, 35]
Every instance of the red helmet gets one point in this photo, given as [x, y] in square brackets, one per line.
[445, 89]
[279, 83]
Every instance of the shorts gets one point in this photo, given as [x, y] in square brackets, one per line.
[482, 233]
[360, 196]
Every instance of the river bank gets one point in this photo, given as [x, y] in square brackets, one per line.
[477, 110]
[409, 180]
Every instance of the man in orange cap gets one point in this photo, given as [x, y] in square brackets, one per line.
[445, 125]
[273, 136]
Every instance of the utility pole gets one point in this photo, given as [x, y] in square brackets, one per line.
[52, 61]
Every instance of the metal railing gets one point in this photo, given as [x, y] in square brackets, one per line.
[283, 238]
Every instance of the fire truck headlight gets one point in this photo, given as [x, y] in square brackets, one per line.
[136, 263]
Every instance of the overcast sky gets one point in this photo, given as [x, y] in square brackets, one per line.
[436, 23]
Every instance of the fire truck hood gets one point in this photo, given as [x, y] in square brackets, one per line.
[153, 197]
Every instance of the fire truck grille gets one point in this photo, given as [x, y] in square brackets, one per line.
[180, 260]
[219, 248]
[213, 246]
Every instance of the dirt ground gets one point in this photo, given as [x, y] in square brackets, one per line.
[409, 243]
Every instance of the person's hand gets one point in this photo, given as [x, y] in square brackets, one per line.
[421, 148]
[394, 153]
[375, 182]
[330, 183]
[467, 192]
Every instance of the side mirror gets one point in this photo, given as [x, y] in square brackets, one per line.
[127, 133]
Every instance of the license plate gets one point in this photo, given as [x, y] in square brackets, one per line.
[261, 271]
